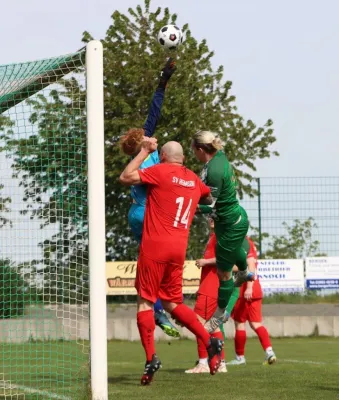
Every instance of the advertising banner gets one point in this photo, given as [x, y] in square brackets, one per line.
[322, 273]
[277, 276]
[120, 277]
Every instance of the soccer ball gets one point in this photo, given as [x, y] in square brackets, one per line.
[170, 36]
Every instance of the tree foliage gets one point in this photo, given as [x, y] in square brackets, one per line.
[297, 242]
[51, 167]
[4, 201]
[13, 291]
[51, 164]
[197, 97]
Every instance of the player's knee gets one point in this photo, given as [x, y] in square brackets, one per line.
[224, 275]
[144, 304]
[201, 319]
[169, 306]
[240, 326]
[255, 325]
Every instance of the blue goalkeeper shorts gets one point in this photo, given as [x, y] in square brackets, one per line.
[136, 220]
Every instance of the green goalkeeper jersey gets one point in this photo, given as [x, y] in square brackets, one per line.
[218, 175]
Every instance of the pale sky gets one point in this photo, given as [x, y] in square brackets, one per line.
[282, 57]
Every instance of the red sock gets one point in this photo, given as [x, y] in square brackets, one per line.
[264, 337]
[146, 326]
[189, 319]
[220, 336]
[239, 342]
[202, 352]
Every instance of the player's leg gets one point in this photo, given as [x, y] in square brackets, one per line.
[228, 252]
[135, 222]
[239, 315]
[147, 284]
[255, 320]
[229, 308]
[201, 365]
[162, 320]
[171, 296]
[232, 301]
[243, 274]
[204, 309]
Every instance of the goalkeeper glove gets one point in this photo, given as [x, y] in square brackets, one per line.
[166, 73]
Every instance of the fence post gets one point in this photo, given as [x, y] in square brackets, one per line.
[259, 217]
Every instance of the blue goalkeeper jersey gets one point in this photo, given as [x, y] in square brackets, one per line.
[139, 192]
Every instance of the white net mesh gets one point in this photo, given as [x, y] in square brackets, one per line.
[44, 233]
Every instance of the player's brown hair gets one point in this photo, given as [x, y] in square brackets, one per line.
[131, 140]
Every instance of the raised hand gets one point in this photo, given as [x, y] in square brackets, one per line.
[167, 72]
[149, 144]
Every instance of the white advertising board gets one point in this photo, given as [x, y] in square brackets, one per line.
[322, 273]
[278, 276]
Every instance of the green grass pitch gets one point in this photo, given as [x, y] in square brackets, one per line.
[307, 369]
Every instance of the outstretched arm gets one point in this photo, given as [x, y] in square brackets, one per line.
[158, 98]
[154, 112]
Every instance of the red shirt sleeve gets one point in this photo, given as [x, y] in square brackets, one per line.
[150, 175]
[252, 252]
[210, 247]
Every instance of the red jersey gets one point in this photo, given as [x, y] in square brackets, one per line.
[209, 281]
[173, 193]
[257, 291]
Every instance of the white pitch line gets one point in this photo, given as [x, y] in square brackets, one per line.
[28, 389]
[308, 362]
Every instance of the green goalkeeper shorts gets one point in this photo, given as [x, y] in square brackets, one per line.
[229, 251]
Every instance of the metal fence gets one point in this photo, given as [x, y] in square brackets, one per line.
[282, 200]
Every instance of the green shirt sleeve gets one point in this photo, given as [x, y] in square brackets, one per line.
[204, 209]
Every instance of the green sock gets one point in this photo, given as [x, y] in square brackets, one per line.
[233, 299]
[225, 292]
[221, 327]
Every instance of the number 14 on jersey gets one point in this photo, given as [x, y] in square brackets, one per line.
[182, 218]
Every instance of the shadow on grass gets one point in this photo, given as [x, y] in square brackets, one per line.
[175, 370]
[327, 388]
[133, 380]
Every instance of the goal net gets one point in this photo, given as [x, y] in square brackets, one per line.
[44, 230]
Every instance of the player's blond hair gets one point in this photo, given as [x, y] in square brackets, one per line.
[208, 141]
[130, 142]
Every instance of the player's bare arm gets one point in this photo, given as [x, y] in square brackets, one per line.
[130, 175]
[251, 263]
[206, 201]
[204, 262]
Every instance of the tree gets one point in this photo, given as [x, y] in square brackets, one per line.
[51, 166]
[197, 97]
[298, 241]
[4, 201]
[13, 291]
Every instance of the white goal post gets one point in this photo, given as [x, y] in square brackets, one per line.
[96, 203]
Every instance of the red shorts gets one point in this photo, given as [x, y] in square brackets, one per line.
[159, 280]
[245, 310]
[205, 306]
